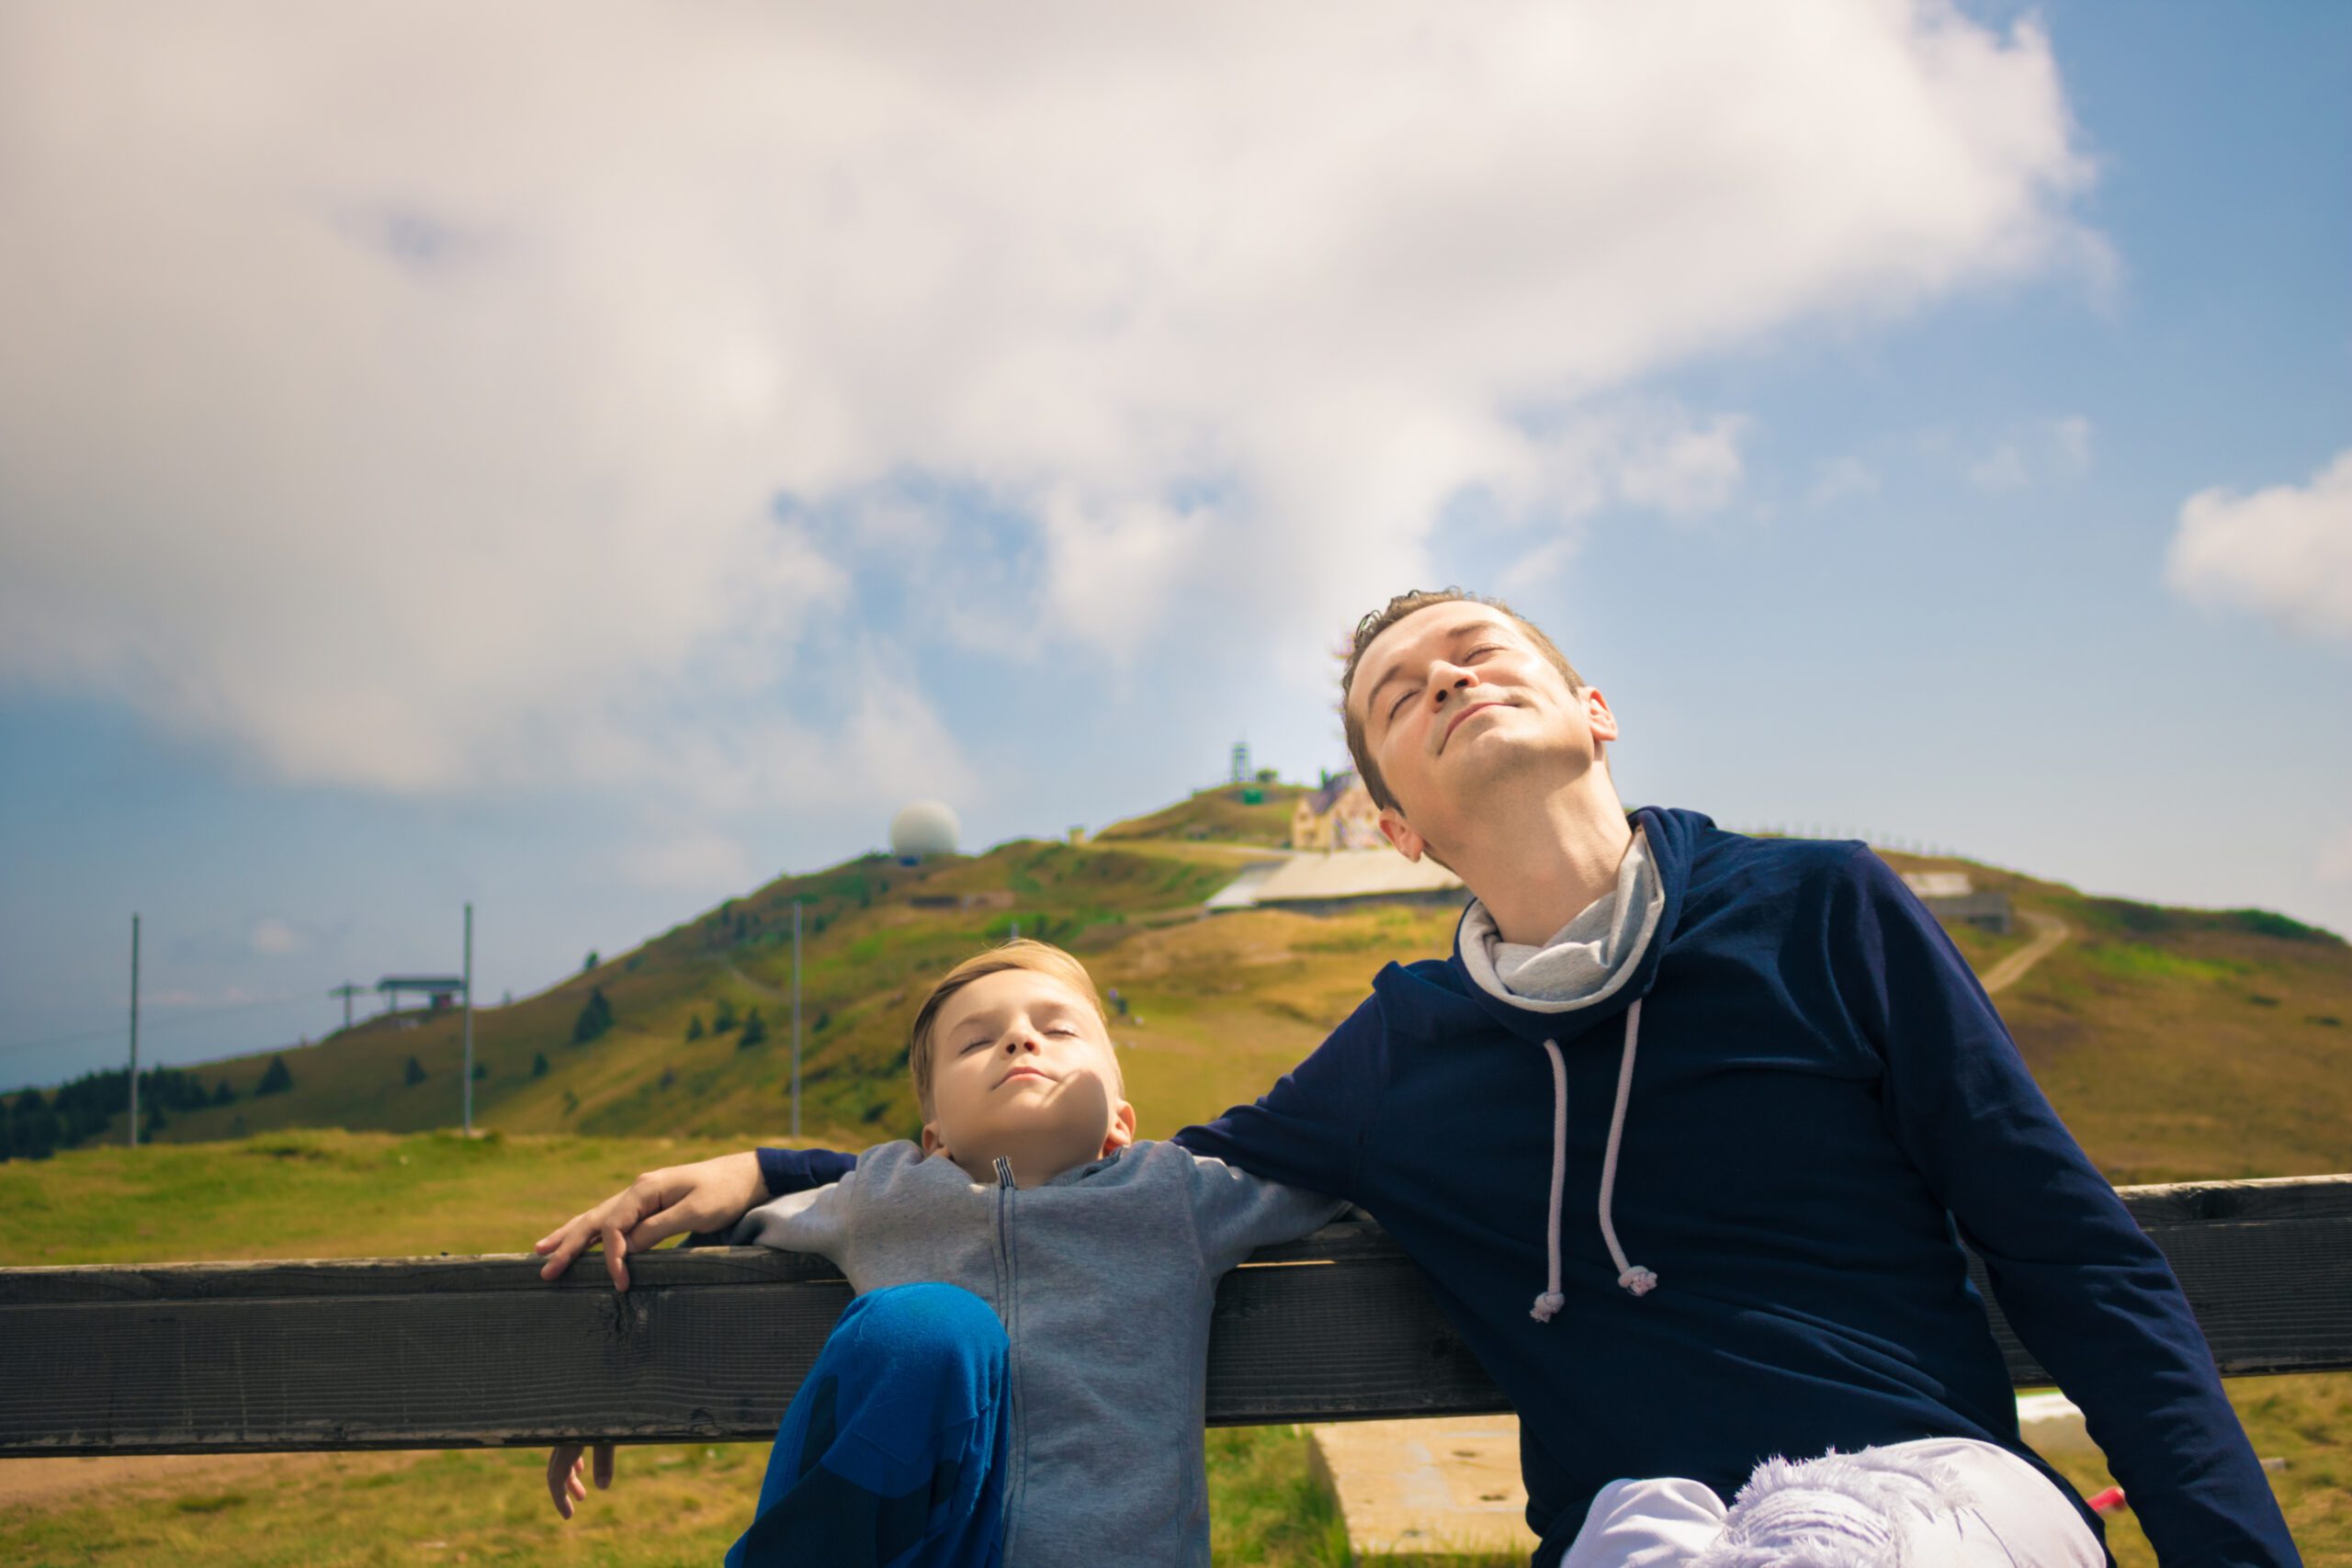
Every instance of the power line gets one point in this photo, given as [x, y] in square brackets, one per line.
[193, 1015]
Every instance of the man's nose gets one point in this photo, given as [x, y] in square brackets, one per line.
[1450, 678]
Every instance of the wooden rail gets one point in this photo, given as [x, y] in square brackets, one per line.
[708, 1345]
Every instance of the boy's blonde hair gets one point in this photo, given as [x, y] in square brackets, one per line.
[1037, 957]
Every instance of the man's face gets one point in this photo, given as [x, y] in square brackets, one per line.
[1018, 1059]
[1456, 699]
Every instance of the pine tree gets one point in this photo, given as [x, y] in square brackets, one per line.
[755, 1030]
[413, 1074]
[539, 1064]
[223, 1094]
[482, 1071]
[725, 1018]
[595, 1018]
[693, 1026]
[275, 1078]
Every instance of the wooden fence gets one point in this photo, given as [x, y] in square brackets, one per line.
[708, 1345]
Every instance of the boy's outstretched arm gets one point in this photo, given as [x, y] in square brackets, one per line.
[709, 1195]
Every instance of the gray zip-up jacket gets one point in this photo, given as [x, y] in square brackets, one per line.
[1104, 1278]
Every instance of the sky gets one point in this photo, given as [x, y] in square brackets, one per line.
[586, 459]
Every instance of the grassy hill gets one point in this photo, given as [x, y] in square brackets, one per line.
[1222, 815]
[2176, 1042]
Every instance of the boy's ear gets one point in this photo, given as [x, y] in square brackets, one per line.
[1123, 1128]
[932, 1143]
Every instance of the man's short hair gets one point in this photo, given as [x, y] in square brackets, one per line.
[1369, 629]
[1039, 957]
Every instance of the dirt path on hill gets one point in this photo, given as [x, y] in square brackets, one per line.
[2049, 932]
[758, 987]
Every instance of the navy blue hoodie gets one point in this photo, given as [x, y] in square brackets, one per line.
[1823, 1104]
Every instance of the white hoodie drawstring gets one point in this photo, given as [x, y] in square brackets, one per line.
[1633, 1275]
[1551, 1301]
[1639, 1281]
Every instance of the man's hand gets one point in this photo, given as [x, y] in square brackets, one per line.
[563, 1475]
[680, 1198]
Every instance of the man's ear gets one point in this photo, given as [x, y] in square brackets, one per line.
[932, 1143]
[1399, 832]
[1123, 1128]
[1597, 715]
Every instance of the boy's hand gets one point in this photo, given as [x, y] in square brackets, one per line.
[563, 1475]
[705, 1196]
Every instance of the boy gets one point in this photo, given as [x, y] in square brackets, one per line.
[1021, 1375]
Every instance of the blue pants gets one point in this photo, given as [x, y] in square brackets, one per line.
[892, 1455]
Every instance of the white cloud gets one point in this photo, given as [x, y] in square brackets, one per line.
[2069, 438]
[2284, 553]
[2000, 469]
[398, 391]
[1839, 478]
[273, 938]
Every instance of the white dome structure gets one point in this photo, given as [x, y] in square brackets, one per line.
[925, 828]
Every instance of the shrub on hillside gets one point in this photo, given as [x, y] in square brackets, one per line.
[276, 1078]
[539, 1064]
[756, 1031]
[724, 1019]
[223, 1094]
[693, 1026]
[595, 1019]
[482, 1071]
[413, 1074]
[2268, 923]
[30, 1130]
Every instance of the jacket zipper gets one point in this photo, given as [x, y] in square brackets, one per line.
[1017, 1470]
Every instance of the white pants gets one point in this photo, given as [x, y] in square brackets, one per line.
[1936, 1502]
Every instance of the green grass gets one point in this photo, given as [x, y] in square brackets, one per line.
[314, 1194]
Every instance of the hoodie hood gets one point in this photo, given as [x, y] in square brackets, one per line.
[1671, 837]
[1582, 963]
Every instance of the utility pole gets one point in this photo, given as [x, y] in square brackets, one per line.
[346, 991]
[469, 1021]
[796, 1019]
[134, 1031]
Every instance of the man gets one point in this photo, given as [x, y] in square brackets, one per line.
[1766, 1075]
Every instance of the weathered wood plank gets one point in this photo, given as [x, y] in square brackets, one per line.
[451, 1352]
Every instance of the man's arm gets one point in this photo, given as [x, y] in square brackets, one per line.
[797, 1171]
[1308, 1131]
[2088, 1293]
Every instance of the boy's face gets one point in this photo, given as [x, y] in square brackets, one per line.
[1455, 698]
[1022, 1065]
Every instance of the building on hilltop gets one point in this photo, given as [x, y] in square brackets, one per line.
[1339, 816]
[1953, 899]
[1340, 882]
